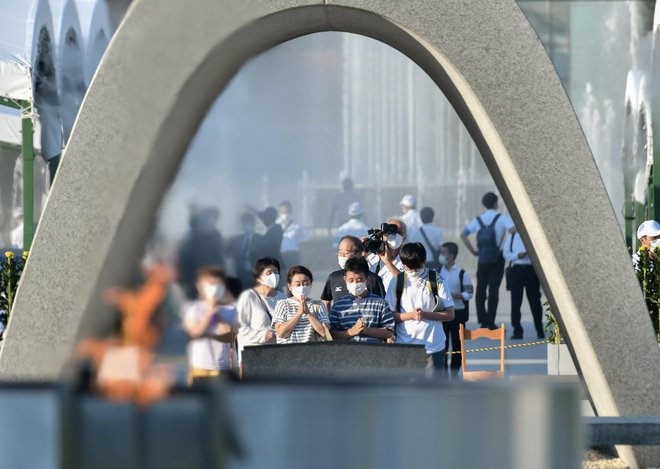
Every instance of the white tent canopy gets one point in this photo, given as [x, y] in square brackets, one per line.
[22, 23]
[10, 129]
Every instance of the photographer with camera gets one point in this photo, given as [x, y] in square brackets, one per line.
[335, 287]
[383, 246]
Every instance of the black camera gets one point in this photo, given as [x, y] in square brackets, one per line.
[375, 243]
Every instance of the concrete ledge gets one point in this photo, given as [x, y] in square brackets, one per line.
[608, 431]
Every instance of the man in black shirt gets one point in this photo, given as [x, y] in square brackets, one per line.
[335, 286]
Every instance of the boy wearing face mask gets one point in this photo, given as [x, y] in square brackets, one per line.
[460, 286]
[388, 264]
[360, 316]
[211, 327]
[299, 319]
[335, 286]
[648, 234]
[420, 301]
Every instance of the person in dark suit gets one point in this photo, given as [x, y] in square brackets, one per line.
[269, 243]
[241, 250]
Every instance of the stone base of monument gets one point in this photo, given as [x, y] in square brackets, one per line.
[560, 361]
[335, 359]
[297, 423]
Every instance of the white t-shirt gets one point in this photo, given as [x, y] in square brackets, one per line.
[412, 220]
[377, 266]
[352, 227]
[292, 235]
[453, 281]
[511, 250]
[205, 352]
[504, 224]
[253, 321]
[416, 294]
[17, 237]
[435, 236]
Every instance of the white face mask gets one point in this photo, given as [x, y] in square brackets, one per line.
[285, 218]
[213, 291]
[442, 259]
[298, 292]
[394, 241]
[357, 288]
[655, 243]
[270, 280]
[341, 261]
[415, 273]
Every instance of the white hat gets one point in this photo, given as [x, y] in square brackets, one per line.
[409, 201]
[355, 209]
[648, 228]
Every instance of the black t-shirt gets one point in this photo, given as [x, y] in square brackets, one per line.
[335, 286]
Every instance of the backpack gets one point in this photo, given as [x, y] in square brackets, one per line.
[489, 251]
[400, 282]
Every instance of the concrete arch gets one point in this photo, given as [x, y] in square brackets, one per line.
[133, 130]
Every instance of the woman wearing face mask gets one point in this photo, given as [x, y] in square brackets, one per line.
[256, 305]
[299, 319]
[210, 326]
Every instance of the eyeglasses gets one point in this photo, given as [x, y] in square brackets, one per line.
[346, 253]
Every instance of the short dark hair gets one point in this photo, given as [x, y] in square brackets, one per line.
[452, 248]
[287, 204]
[426, 214]
[234, 286]
[357, 265]
[299, 269]
[261, 265]
[356, 242]
[268, 216]
[212, 271]
[413, 255]
[489, 200]
[247, 217]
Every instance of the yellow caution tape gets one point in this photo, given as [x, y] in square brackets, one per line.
[498, 348]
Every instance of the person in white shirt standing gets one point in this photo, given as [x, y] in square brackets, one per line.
[410, 215]
[354, 226]
[430, 236]
[292, 235]
[211, 327]
[490, 228]
[420, 301]
[648, 234]
[522, 277]
[461, 290]
[387, 264]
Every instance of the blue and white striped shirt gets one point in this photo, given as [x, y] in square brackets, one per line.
[373, 310]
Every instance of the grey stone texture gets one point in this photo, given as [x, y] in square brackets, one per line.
[169, 60]
[334, 360]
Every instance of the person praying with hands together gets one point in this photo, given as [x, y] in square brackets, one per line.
[360, 316]
[299, 319]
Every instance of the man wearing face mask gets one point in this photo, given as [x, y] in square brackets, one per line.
[388, 264]
[461, 290]
[420, 301]
[360, 316]
[211, 327]
[648, 234]
[335, 287]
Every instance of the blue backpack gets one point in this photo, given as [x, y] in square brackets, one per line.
[489, 251]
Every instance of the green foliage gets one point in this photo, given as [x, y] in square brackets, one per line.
[648, 274]
[10, 274]
[551, 325]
